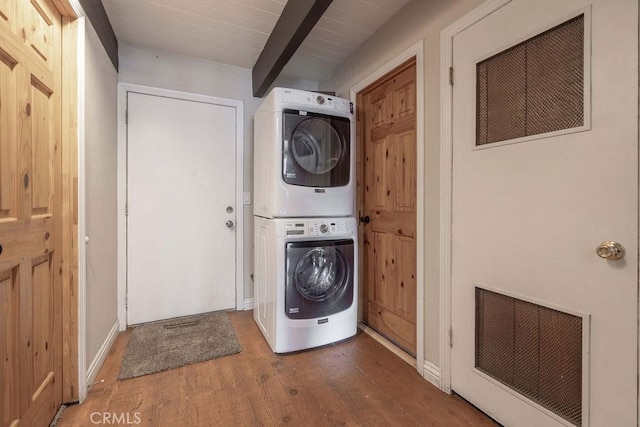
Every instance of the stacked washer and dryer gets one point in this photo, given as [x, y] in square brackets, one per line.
[305, 253]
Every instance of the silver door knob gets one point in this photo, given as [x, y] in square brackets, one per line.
[229, 224]
[611, 251]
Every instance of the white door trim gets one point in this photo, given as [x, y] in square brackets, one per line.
[417, 51]
[123, 89]
[83, 383]
[446, 168]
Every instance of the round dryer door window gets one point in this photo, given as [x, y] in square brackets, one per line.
[317, 148]
[320, 274]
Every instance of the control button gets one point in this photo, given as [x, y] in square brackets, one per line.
[324, 228]
[320, 100]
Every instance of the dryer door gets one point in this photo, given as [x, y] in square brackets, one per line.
[319, 278]
[315, 149]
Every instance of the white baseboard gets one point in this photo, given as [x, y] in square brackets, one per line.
[248, 304]
[97, 362]
[431, 373]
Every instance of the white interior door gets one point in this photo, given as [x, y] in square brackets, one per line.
[545, 153]
[181, 195]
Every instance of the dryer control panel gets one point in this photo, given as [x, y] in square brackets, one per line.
[302, 97]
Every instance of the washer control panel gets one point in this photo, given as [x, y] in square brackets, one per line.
[328, 228]
[319, 227]
[296, 228]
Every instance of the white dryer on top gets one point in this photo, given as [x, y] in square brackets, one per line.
[304, 155]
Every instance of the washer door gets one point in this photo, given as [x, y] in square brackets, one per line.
[320, 274]
[319, 278]
[316, 149]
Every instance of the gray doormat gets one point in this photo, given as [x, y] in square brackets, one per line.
[159, 346]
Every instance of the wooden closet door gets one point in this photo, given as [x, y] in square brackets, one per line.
[30, 208]
[389, 201]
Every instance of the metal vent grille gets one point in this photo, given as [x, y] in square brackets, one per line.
[534, 87]
[534, 350]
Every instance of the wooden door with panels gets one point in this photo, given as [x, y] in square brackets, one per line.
[387, 204]
[30, 212]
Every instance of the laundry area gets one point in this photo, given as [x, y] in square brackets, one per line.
[306, 252]
[319, 212]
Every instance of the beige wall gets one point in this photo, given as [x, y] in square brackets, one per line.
[163, 70]
[419, 20]
[101, 84]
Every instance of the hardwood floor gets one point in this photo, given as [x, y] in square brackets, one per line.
[355, 382]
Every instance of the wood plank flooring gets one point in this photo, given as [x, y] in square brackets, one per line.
[355, 382]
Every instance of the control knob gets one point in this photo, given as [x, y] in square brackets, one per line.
[324, 228]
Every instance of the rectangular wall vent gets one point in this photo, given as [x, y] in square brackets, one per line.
[534, 87]
[534, 350]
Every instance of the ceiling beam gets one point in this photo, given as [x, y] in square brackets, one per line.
[100, 21]
[296, 21]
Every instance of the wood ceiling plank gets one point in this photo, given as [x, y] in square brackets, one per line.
[297, 20]
[234, 12]
[251, 9]
[319, 55]
[367, 10]
[266, 5]
[344, 29]
[325, 44]
[132, 12]
[390, 5]
[351, 19]
[184, 8]
[332, 37]
[184, 46]
[198, 27]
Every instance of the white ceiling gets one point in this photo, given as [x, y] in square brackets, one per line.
[235, 31]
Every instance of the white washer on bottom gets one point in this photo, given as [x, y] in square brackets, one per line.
[306, 281]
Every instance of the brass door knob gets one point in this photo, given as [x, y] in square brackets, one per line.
[611, 251]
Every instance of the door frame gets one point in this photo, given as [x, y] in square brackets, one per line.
[123, 90]
[73, 340]
[446, 170]
[424, 368]
[446, 182]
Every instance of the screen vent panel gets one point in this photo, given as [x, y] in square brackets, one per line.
[534, 87]
[532, 349]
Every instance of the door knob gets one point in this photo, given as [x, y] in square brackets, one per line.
[229, 224]
[611, 251]
[365, 219]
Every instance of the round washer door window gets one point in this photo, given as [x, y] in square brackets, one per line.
[320, 274]
[316, 146]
